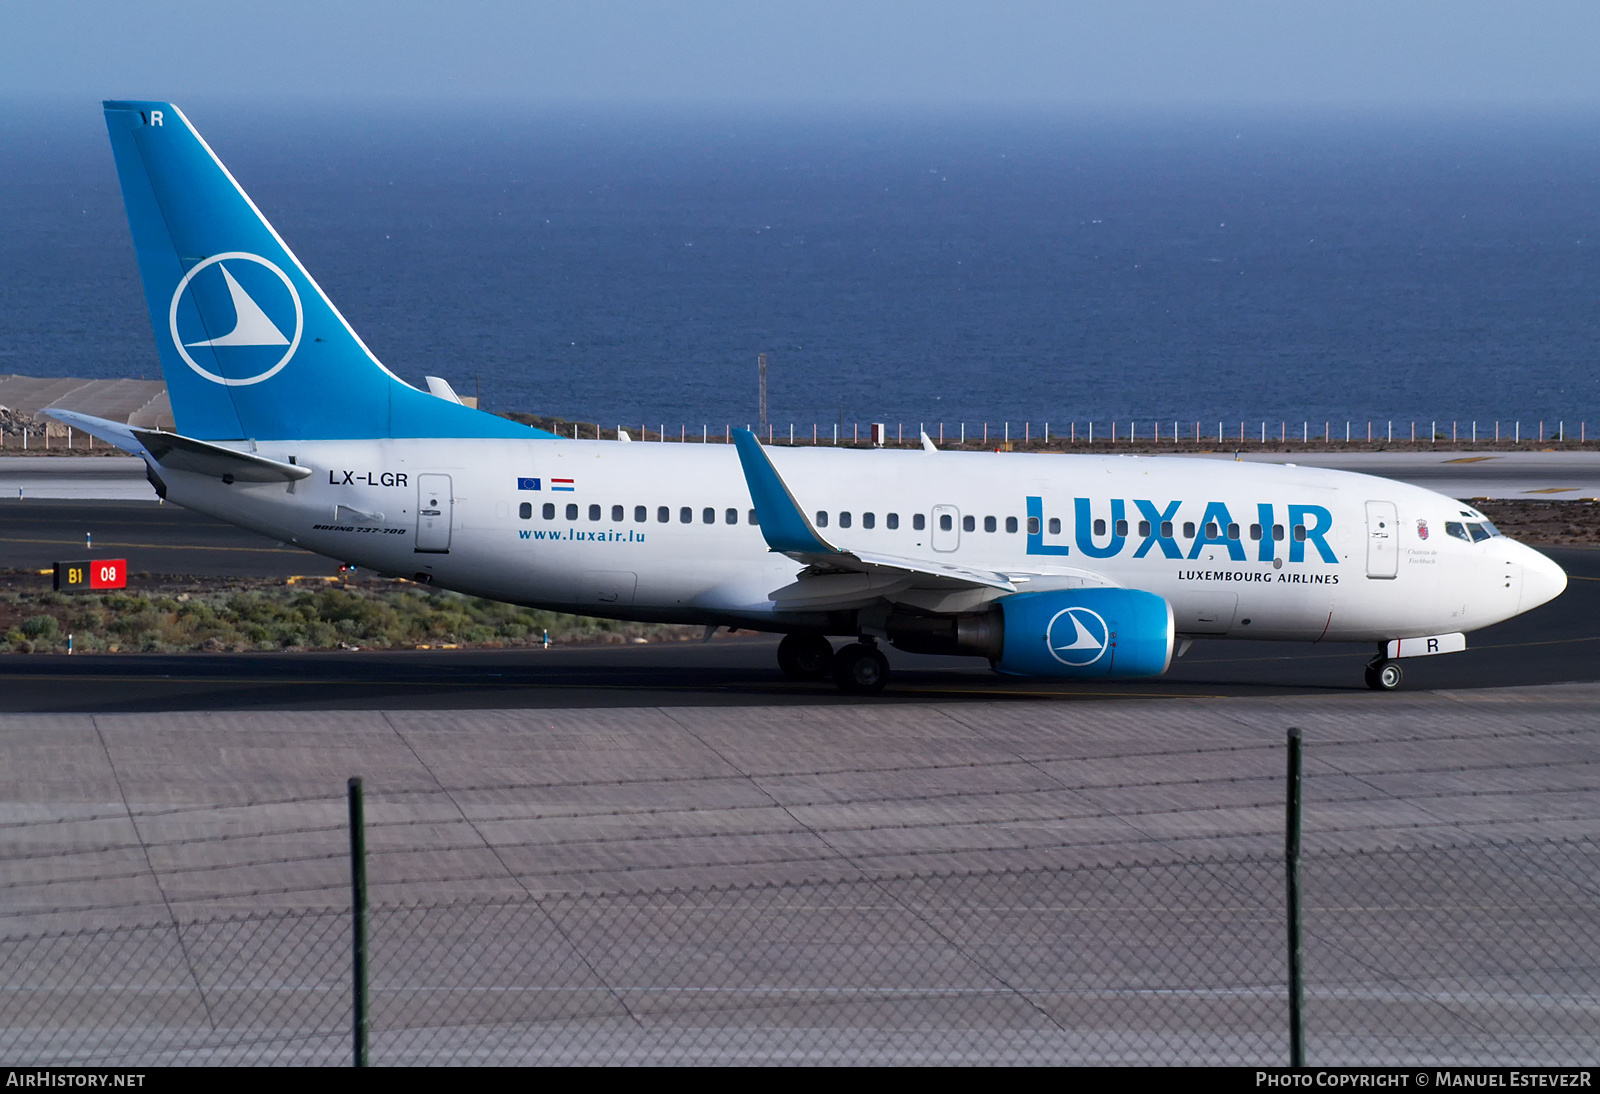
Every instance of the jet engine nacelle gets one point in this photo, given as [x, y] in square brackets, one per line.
[1099, 633]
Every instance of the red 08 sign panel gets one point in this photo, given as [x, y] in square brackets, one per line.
[108, 573]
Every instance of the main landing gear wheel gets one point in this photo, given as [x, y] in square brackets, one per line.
[805, 657]
[1384, 675]
[860, 669]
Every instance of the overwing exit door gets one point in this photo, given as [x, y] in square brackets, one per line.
[946, 528]
[434, 506]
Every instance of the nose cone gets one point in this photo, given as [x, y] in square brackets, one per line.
[1542, 579]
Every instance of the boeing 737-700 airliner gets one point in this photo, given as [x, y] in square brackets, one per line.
[1068, 566]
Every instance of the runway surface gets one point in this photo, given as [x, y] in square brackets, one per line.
[154, 538]
[927, 882]
[1557, 643]
[1460, 474]
[1503, 475]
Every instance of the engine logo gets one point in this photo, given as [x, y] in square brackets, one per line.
[1077, 636]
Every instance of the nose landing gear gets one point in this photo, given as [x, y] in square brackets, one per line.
[1383, 674]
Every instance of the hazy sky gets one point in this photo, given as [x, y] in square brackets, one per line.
[888, 52]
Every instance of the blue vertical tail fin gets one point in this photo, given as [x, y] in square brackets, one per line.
[250, 346]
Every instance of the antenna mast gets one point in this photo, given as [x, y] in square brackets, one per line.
[761, 371]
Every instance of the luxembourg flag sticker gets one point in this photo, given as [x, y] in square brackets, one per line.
[559, 485]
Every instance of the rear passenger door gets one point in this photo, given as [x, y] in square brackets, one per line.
[434, 512]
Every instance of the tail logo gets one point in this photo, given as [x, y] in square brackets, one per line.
[1077, 636]
[250, 345]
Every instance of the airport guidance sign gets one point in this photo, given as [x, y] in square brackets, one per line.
[102, 573]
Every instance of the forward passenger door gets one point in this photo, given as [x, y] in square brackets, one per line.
[1383, 540]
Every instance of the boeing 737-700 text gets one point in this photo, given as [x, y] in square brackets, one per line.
[1045, 565]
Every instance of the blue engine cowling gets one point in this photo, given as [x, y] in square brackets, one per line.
[1096, 633]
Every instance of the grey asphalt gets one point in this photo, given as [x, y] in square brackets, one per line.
[1029, 881]
[154, 538]
[1458, 473]
[1557, 643]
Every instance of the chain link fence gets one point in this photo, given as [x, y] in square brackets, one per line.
[1452, 954]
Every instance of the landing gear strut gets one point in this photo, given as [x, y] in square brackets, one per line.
[805, 657]
[861, 668]
[1384, 675]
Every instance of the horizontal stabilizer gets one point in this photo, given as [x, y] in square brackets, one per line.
[113, 433]
[440, 388]
[178, 453]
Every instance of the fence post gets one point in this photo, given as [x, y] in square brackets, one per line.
[358, 920]
[1297, 1039]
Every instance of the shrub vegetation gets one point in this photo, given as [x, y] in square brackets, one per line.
[381, 615]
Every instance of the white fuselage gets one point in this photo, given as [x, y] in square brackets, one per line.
[1339, 556]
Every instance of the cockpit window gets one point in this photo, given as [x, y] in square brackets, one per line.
[1457, 529]
[1479, 532]
[1492, 530]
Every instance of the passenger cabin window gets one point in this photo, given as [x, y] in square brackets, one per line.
[1233, 531]
[1188, 529]
[525, 510]
[1055, 526]
[640, 514]
[616, 513]
[969, 524]
[869, 520]
[1277, 532]
[708, 515]
[1166, 529]
[1457, 529]
[751, 518]
[1255, 531]
[686, 515]
[572, 512]
[1300, 532]
[1122, 527]
[1211, 529]
[731, 517]
[891, 521]
[549, 510]
[844, 519]
[1099, 527]
[1011, 524]
[663, 514]
[1033, 526]
[822, 518]
[594, 512]
[989, 524]
[1144, 528]
[918, 522]
[945, 523]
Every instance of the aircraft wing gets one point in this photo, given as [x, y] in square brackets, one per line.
[789, 531]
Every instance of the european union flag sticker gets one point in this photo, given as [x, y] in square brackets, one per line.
[527, 484]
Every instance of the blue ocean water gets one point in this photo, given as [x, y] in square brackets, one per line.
[628, 268]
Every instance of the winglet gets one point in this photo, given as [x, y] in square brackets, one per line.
[927, 443]
[782, 522]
